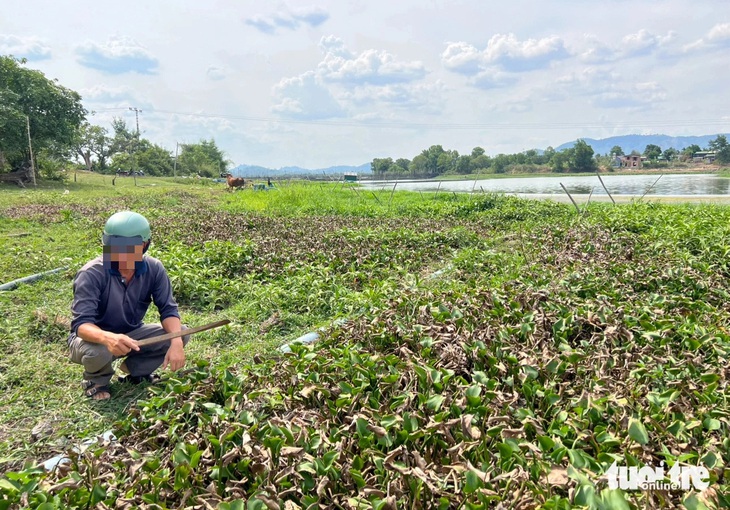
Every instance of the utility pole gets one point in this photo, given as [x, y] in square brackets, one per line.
[30, 148]
[136, 111]
[136, 115]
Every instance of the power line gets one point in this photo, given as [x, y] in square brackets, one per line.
[445, 126]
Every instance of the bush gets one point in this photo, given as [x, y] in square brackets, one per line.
[50, 168]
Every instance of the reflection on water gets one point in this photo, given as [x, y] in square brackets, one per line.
[695, 184]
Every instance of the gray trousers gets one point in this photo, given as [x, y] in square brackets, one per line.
[97, 360]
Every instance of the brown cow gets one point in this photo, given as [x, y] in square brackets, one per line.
[235, 182]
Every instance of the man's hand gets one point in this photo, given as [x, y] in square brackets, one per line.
[175, 357]
[120, 345]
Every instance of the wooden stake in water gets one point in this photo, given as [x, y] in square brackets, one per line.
[650, 187]
[604, 187]
[571, 198]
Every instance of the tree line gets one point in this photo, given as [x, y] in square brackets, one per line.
[580, 158]
[54, 119]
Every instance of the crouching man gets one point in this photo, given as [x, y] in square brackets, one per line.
[111, 296]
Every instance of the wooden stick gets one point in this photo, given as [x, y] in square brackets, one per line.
[391, 193]
[185, 332]
[649, 189]
[585, 207]
[570, 197]
[604, 187]
[30, 149]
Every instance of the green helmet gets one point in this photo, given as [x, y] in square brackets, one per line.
[126, 224]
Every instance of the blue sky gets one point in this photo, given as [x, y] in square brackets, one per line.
[340, 83]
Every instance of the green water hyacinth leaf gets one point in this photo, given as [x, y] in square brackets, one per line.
[637, 431]
[710, 460]
[480, 377]
[546, 443]
[473, 395]
[434, 403]
[712, 424]
[473, 483]
[662, 400]
[709, 377]
[238, 504]
[692, 502]
[98, 494]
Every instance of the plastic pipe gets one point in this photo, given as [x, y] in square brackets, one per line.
[30, 279]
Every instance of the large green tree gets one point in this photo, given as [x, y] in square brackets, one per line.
[670, 153]
[722, 149]
[652, 151]
[53, 112]
[203, 158]
[94, 146]
[581, 159]
[381, 165]
[434, 156]
[691, 150]
[153, 159]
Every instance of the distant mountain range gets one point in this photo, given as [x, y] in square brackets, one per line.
[639, 142]
[627, 143]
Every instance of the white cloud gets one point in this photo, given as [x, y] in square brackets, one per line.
[30, 47]
[461, 57]
[104, 94]
[369, 67]
[333, 45]
[117, 56]
[593, 50]
[718, 37]
[504, 55]
[606, 89]
[289, 19]
[515, 55]
[422, 96]
[719, 34]
[492, 78]
[216, 73]
[304, 97]
[643, 42]
[345, 81]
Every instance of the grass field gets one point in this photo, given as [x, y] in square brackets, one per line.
[476, 351]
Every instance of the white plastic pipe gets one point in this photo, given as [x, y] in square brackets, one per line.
[30, 279]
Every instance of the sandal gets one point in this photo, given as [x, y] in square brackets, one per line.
[137, 379]
[91, 389]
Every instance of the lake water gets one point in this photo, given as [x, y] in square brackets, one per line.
[668, 185]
